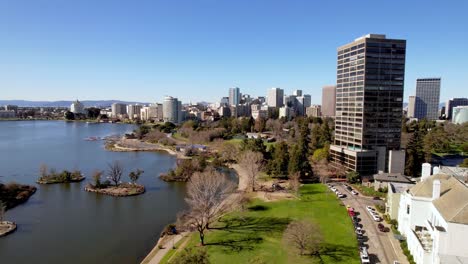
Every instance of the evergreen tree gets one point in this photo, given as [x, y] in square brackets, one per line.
[299, 161]
[278, 165]
[414, 154]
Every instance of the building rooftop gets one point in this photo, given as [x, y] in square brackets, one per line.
[392, 177]
[453, 201]
[400, 187]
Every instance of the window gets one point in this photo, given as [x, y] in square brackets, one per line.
[407, 209]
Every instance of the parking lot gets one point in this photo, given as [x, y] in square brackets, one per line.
[382, 247]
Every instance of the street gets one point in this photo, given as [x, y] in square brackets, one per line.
[382, 246]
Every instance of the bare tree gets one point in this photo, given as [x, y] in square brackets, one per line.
[294, 183]
[251, 162]
[207, 197]
[304, 236]
[322, 169]
[135, 175]
[97, 178]
[114, 172]
[43, 170]
[2, 211]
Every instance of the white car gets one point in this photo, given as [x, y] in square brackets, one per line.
[354, 192]
[341, 195]
[376, 218]
[364, 255]
[359, 232]
[369, 208]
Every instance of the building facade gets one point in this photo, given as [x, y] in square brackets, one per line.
[433, 216]
[134, 111]
[77, 107]
[369, 103]
[454, 102]
[275, 97]
[234, 96]
[411, 105]
[118, 110]
[460, 114]
[427, 98]
[172, 110]
[328, 100]
[314, 111]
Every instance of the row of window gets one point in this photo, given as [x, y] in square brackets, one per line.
[351, 48]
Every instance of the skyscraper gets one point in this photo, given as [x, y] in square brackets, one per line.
[454, 102]
[171, 110]
[275, 97]
[411, 105]
[369, 102]
[234, 96]
[118, 110]
[427, 98]
[328, 100]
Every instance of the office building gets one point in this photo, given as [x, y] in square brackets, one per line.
[172, 109]
[77, 107]
[286, 112]
[234, 96]
[118, 110]
[151, 112]
[427, 98]
[369, 103]
[411, 105]
[328, 100]
[314, 111]
[297, 92]
[454, 102]
[460, 114]
[134, 111]
[275, 97]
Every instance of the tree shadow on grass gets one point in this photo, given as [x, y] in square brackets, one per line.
[244, 233]
[258, 208]
[337, 253]
[237, 245]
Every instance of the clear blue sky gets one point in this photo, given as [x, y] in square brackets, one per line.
[196, 50]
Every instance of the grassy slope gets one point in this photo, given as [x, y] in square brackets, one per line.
[255, 236]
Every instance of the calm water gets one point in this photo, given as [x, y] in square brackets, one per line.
[63, 223]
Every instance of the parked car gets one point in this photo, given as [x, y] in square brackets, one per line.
[341, 195]
[364, 255]
[354, 192]
[369, 208]
[376, 218]
[383, 228]
[359, 232]
[376, 198]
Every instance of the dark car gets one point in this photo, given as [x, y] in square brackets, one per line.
[376, 198]
[383, 228]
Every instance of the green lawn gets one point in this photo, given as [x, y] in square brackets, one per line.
[255, 236]
[369, 191]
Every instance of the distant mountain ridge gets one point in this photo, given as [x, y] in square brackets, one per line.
[86, 103]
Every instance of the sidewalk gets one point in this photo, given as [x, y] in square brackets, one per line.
[154, 258]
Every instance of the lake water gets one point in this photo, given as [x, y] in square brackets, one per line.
[64, 224]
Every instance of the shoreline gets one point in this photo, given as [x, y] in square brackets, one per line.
[135, 145]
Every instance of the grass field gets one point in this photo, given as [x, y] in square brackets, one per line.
[369, 191]
[255, 235]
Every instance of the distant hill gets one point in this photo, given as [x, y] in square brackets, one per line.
[87, 103]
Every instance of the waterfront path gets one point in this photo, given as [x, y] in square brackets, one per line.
[157, 254]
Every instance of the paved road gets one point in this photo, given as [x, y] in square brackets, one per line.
[382, 247]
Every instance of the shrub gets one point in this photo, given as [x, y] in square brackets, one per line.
[192, 256]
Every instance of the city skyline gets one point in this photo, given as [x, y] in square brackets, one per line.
[49, 53]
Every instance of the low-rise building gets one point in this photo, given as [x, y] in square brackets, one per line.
[433, 216]
[314, 111]
[381, 180]
[7, 114]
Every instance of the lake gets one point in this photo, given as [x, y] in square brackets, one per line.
[64, 224]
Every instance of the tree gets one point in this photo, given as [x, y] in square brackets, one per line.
[254, 144]
[69, 115]
[352, 177]
[135, 175]
[252, 163]
[321, 169]
[114, 172]
[260, 124]
[465, 163]
[206, 196]
[294, 183]
[93, 112]
[299, 155]
[192, 256]
[414, 155]
[43, 170]
[304, 236]
[97, 175]
[278, 165]
[2, 210]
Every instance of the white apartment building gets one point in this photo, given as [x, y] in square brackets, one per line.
[77, 107]
[433, 216]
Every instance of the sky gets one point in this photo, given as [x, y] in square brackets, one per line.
[195, 50]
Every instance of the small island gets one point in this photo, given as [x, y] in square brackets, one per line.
[11, 195]
[53, 177]
[113, 185]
